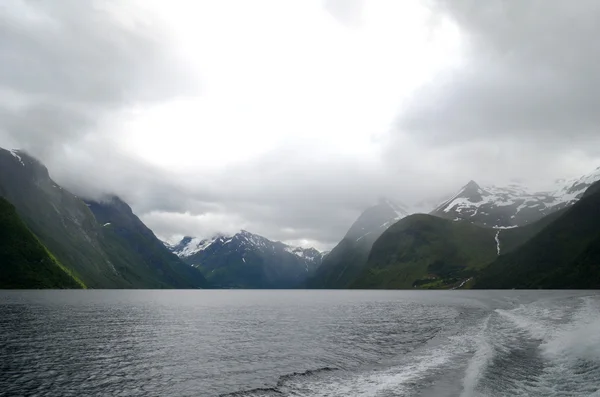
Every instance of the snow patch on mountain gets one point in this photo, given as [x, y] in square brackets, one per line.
[567, 192]
[512, 205]
[299, 252]
[16, 155]
[497, 196]
[189, 246]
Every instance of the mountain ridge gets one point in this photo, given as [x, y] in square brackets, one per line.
[103, 244]
[514, 204]
[347, 259]
[66, 225]
[262, 262]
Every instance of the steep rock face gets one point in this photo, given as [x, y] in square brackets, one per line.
[564, 254]
[247, 260]
[512, 205]
[24, 261]
[347, 260]
[65, 224]
[62, 221]
[142, 259]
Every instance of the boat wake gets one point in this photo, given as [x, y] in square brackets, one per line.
[544, 348]
[541, 349]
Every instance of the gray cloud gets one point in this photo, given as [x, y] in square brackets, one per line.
[70, 66]
[529, 74]
[280, 195]
[522, 104]
[70, 63]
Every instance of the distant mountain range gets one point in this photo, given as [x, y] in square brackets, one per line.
[462, 240]
[481, 237]
[247, 260]
[513, 205]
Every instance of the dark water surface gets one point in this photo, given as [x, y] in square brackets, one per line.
[299, 343]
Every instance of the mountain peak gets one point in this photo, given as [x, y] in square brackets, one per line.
[24, 161]
[472, 184]
[512, 205]
[376, 219]
[399, 209]
[248, 260]
[186, 240]
[472, 192]
[472, 188]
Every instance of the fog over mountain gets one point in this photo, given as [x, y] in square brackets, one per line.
[214, 117]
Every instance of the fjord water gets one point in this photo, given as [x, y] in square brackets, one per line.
[300, 343]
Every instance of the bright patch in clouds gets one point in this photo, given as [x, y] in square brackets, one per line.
[280, 73]
[289, 117]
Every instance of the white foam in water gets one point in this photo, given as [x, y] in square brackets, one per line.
[398, 380]
[580, 338]
[531, 319]
[543, 348]
[480, 360]
[569, 348]
[402, 379]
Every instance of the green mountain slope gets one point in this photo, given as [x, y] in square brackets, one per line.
[511, 239]
[565, 254]
[63, 222]
[343, 264]
[347, 260]
[429, 252]
[24, 261]
[130, 257]
[140, 257]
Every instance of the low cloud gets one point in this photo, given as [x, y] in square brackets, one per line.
[519, 103]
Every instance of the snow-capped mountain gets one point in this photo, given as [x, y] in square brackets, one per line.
[513, 205]
[567, 192]
[247, 260]
[189, 246]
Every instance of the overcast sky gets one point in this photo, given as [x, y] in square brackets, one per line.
[288, 118]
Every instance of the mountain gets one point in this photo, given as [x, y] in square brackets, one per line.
[63, 222]
[512, 205]
[143, 259]
[427, 251]
[247, 260]
[564, 254]
[428, 205]
[347, 260]
[24, 261]
[91, 251]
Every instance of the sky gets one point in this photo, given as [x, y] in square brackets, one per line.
[288, 118]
